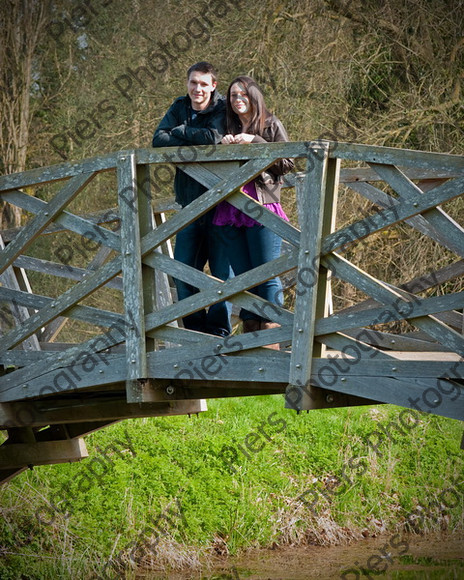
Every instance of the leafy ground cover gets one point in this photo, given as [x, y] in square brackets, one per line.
[172, 492]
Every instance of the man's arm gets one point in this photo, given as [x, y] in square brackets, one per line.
[163, 136]
[212, 133]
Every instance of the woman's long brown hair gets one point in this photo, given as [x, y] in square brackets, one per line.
[259, 112]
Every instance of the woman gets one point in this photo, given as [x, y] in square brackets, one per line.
[250, 244]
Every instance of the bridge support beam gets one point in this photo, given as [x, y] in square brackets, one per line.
[318, 201]
[19, 455]
[100, 411]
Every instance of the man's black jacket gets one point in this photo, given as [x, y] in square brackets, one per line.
[181, 127]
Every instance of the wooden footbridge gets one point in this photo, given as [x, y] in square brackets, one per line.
[90, 333]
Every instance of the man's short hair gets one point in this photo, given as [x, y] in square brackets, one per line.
[203, 67]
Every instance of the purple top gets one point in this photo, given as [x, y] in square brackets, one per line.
[228, 215]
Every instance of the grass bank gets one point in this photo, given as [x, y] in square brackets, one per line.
[247, 473]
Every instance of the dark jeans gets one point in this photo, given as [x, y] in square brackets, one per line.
[196, 244]
[248, 248]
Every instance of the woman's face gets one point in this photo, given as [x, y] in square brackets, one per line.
[239, 100]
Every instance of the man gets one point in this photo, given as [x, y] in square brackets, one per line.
[198, 119]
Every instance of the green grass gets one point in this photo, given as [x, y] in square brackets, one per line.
[255, 504]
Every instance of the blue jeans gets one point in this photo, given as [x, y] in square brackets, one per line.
[196, 244]
[248, 248]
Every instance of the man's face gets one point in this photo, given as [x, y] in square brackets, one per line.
[199, 87]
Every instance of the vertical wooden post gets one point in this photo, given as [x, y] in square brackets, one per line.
[133, 290]
[163, 291]
[317, 205]
[146, 224]
[156, 291]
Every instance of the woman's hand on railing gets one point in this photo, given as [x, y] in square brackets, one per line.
[242, 138]
[228, 139]
[239, 139]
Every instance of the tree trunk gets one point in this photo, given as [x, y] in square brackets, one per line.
[23, 22]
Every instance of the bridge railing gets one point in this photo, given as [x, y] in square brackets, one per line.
[145, 355]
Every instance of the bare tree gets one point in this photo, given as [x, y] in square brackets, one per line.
[22, 24]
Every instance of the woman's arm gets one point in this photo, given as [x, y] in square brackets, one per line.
[277, 134]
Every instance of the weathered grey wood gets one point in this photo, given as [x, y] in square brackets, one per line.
[398, 181]
[400, 157]
[61, 270]
[85, 313]
[313, 202]
[67, 221]
[95, 218]
[32, 229]
[9, 279]
[16, 357]
[405, 158]
[132, 274]
[222, 169]
[290, 179]
[401, 392]
[51, 331]
[94, 370]
[73, 378]
[417, 284]
[411, 308]
[213, 346]
[201, 154]
[388, 217]
[152, 282]
[156, 284]
[209, 174]
[229, 288]
[405, 342]
[418, 222]
[264, 366]
[206, 366]
[389, 297]
[62, 304]
[243, 202]
[62, 346]
[147, 223]
[275, 369]
[20, 358]
[352, 175]
[452, 319]
[184, 389]
[107, 216]
[163, 294]
[202, 204]
[23, 282]
[453, 232]
[178, 336]
[43, 453]
[42, 175]
[347, 365]
[202, 281]
[160, 262]
[114, 335]
[49, 412]
[360, 344]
